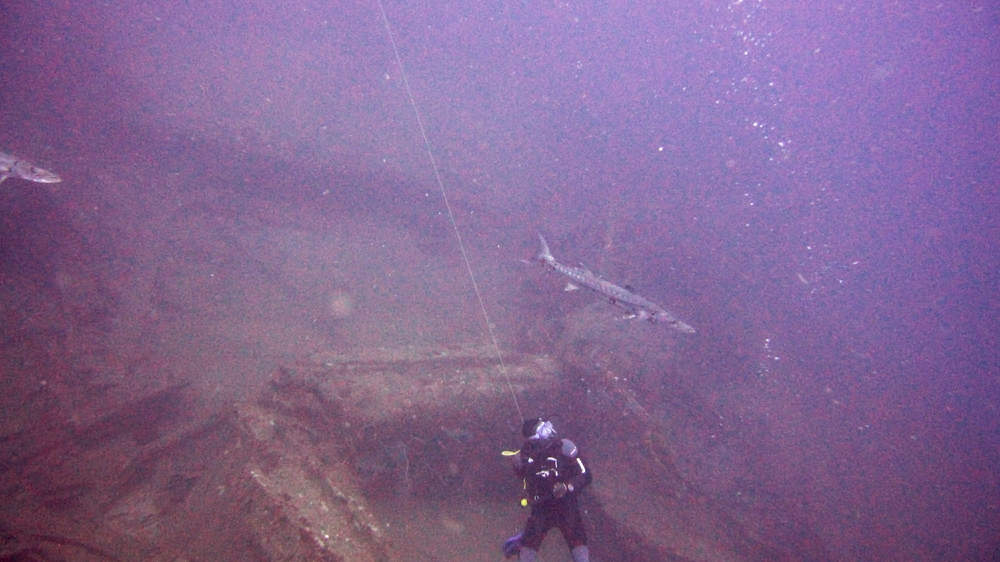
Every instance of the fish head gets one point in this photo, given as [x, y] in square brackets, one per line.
[30, 172]
[667, 318]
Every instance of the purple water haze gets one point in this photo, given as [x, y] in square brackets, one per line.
[812, 186]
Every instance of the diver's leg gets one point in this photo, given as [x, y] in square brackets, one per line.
[538, 524]
[571, 525]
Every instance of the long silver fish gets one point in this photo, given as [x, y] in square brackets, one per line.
[12, 166]
[637, 306]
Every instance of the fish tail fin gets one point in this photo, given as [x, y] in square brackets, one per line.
[544, 255]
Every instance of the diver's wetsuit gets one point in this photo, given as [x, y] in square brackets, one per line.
[543, 464]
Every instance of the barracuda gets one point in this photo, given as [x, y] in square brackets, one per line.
[637, 306]
[12, 166]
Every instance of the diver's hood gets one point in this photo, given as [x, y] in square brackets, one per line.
[544, 431]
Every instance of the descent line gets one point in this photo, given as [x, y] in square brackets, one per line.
[451, 216]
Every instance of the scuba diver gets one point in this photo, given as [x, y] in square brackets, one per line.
[553, 475]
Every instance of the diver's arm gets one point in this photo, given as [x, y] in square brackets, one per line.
[582, 477]
[520, 465]
[581, 473]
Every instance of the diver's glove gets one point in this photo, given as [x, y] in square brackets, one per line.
[560, 489]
